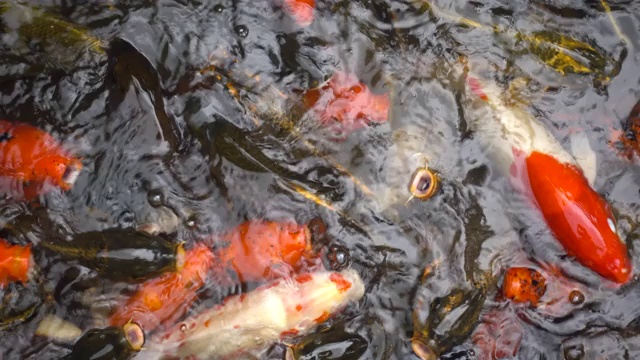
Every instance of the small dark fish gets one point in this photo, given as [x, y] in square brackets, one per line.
[244, 149]
[127, 63]
[444, 322]
[46, 36]
[121, 254]
[111, 343]
[18, 302]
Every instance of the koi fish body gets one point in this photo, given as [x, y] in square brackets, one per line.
[580, 219]
[256, 319]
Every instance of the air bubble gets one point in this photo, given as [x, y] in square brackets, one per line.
[576, 297]
[191, 222]
[242, 31]
[155, 198]
[126, 219]
[338, 257]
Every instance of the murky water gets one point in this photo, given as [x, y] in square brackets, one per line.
[134, 93]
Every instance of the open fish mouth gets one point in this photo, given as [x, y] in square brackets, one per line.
[71, 174]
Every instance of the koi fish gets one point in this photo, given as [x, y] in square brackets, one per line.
[580, 219]
[497, 336]
[165, 298]
[344, 104]
[30, 155]
[120, 254]
[114, 342]
[523, 285]
[627, 141]
[259, 250]
[15, 263]
[275, 311]
[254, 251]
[300, 10]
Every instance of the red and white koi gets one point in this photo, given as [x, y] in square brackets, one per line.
[580, 219]
[344, 105]
[270, 313]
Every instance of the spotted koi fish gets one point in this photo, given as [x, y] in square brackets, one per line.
[275, 311]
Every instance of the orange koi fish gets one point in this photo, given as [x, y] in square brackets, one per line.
[300, 10]
[274, 311]
[30, 155]
[15, 263]
[257, 250]
[164, 299]
[499, 332]
[344, 104]
[523, 285]
[580, 219]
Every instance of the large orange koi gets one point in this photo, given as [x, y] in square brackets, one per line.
[578, 216]
[30, 155]
[257, 250]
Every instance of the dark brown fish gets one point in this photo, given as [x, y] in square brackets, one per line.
[120, 254]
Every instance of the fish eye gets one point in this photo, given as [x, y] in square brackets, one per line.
[612, 224]
[424, 183]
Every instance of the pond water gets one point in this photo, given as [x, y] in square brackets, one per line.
[188, 116]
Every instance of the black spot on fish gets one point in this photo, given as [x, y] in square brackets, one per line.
[5, 137]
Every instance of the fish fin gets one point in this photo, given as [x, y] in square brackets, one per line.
[518, 171]
[584, 155]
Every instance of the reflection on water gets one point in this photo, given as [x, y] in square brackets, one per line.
[189, 118]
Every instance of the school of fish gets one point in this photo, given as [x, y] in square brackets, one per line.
[291, 290]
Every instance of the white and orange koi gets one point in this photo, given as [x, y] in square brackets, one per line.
[270, 313]
[580, 219]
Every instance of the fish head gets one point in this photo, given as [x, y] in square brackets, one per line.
[344, 104]
[61, 170]
[578, 216]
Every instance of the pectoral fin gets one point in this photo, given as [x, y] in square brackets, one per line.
[584, 155]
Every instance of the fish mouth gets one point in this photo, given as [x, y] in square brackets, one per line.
[71, 174]
[134, 335]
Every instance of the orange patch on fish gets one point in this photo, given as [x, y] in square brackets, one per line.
[165, 298]
[15, 262]
[300, 10]
[476, 88]
[302, 278]
[258, 250]
[30, 155]
[344, 104]
[322, 318]
[288, 333]
[341, 283]
[578, 216]
[524, 285]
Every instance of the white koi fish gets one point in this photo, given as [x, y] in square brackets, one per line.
[282, 308]
[541, 168]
